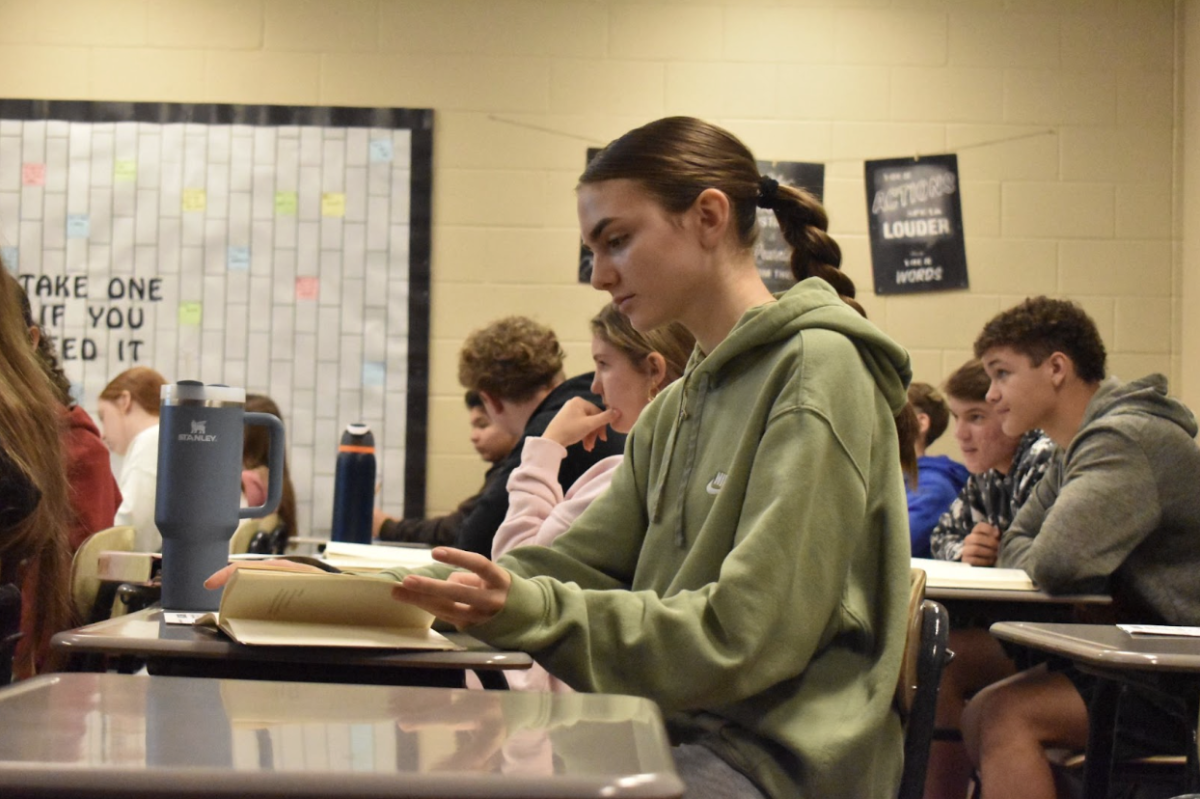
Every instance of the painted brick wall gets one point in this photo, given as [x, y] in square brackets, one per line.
[1061, 111]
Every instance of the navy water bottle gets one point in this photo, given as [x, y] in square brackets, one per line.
[354, 486]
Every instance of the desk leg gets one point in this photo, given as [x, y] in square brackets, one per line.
[1193, 754]
[1102, 722]
[491, 679]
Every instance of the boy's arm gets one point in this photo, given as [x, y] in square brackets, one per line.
[1086, 515]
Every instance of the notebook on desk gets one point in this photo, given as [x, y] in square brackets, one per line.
[954, 574]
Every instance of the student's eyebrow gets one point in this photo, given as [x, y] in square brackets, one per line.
[599, 228]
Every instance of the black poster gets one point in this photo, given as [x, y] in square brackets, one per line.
[772, 254]
[915, 220]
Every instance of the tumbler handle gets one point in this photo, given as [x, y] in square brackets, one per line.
[274, 466]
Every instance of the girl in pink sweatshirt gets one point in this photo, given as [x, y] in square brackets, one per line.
[631, 368]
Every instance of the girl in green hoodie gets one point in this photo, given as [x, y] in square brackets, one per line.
[748, 567]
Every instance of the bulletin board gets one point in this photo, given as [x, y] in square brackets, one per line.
[283, 249]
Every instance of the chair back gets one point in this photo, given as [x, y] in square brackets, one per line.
[10, 628]
[917, 695]
[906, 684]
[85, 567]
[248, 530]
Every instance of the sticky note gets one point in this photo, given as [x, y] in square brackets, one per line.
[79, 226]
[333, 203]
[125, 170]
[238, 259]
[380, 150]
[194, 199]
[308, 288]
[373, 373]
[33, 174]
[285, 203]
[11, 257]
[190, 313]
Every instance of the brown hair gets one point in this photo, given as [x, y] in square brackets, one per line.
[510, 359]
[908, 428]
[969, 382]
[928, 400]
[30, 434]
[143, 384]
[676, 158]
[672, 341]
[1040, 327]
[46, 354]
[256, 446]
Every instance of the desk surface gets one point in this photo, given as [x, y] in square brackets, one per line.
[138, 736]
[144, 634]
[1001, 595]
[1104, 645]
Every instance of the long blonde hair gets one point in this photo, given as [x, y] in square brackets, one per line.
[36, 547]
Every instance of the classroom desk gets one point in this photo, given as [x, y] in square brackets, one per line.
[104, 735]
[1168, 665]
[183, 650]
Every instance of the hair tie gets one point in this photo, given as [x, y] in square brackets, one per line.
[768, 193]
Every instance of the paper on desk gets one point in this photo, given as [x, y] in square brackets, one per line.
[1160, 629]
[365, 557]
[266, 607]
[955, 574]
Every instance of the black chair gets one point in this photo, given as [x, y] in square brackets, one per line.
[917, 696]
[10, 628]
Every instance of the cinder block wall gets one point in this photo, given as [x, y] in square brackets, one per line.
[1062, 114]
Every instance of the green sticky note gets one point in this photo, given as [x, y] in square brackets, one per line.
[190, 313]
[125, 170]
[285, 203]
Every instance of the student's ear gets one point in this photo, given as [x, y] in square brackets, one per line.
[713, 213]
[1061, 367]
[656, 369]
[35, 335]
[124, 402]
[493, 405]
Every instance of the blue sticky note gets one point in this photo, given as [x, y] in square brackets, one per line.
[238, 259]
[374, 373]
[79, 226]
[381, 150]
[11, 257]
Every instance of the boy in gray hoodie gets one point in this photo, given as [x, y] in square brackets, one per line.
[1117, 511]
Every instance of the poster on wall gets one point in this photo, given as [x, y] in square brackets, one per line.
[280, 249]
[914, 211]
[772, 253]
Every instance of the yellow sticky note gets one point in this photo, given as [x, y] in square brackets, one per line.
[194, 199]
[285, 203]
[190, 313]
[125, 170]
[333, 203]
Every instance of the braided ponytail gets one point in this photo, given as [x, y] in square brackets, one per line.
[805, 226]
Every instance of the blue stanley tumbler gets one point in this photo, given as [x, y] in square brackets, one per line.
[199, 485]
[354, 487]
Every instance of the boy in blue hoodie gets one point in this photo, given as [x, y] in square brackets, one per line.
[939, 479]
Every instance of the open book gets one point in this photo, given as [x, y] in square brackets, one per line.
[268, 607]
[368, 557]
[955, 574]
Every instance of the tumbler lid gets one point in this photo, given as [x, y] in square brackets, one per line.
[193, 392]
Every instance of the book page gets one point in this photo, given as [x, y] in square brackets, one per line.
[287, 608]
[955, 574]
[365, 557]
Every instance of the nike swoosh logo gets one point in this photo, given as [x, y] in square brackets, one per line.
[714, 485]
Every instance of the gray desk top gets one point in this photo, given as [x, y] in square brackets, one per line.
[1104, 645]
[93, 735]
[145, 634]
[999, 595]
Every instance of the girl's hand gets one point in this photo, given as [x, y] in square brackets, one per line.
[464, 599]
[219, 579]
[580, 420]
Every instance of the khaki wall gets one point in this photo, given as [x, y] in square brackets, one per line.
[1062, 114]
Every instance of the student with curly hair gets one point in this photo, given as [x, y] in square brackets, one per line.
[516, 366]
[1118, 511]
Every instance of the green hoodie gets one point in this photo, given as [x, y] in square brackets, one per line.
[748, 567]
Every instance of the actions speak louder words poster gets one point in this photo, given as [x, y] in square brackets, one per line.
[915, 221]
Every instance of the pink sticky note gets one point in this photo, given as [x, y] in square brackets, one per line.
[307, 288]
[33, 174]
